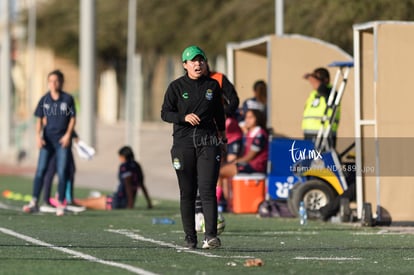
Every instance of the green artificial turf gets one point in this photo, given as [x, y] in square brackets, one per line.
[128, 237]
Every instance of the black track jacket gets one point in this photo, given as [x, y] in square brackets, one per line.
[202, 97]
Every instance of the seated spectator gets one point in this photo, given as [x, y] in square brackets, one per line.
[257, 102]
[255, 149]
[130, 179]
[234, 136]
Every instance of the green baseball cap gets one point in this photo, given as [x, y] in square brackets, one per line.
[192, 51]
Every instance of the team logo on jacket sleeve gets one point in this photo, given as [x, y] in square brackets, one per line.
[209, 94]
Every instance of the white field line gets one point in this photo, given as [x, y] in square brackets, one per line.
[77, 254]
[382, 232]
[289, 233]
[9, 207]
[327, 258]
[135, 236]
[266, 233]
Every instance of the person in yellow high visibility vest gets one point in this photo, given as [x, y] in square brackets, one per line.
[316, 104]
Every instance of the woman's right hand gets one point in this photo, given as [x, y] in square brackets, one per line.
[193, 119]
[40, 142]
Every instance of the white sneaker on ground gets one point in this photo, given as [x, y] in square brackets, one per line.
[94, 194]
[75, 208]
[47, 208]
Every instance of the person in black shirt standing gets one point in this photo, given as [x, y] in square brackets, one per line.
[57, 108]
[193, 103]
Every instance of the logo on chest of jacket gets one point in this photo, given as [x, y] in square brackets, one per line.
[185, 95]
[209, 94]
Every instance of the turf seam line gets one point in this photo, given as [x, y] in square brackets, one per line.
[135, 236]
[86, 257]
[328, 258]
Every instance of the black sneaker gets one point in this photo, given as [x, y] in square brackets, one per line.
[191, 242]
[211, 243]
[32, 207]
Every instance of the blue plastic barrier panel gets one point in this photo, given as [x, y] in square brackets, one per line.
[278, 187]
[284, 153]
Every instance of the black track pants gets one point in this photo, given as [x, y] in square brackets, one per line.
[197, 168]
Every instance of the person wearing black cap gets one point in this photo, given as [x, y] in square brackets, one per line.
[193, 103]
[316, 104]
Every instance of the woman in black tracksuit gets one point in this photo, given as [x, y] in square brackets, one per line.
[193, 103]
